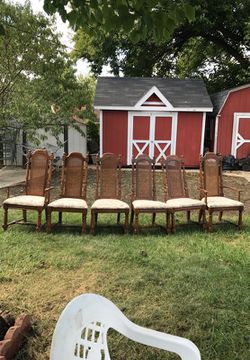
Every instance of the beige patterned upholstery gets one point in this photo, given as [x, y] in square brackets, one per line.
[26, 200]
[221, 202]
[70, 203]
[183, 203]
[109, 204]
[149, 204]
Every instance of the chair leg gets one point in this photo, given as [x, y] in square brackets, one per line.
[48, 220]
[92, 223]
[188, 215]
[167, 221]
[118, 218]
[136, 227]
[84, 216]
[210, 220]
[204, 222]
[200, 215]
[60, 217]
[126, 223]
[25, 215]
[220, 215]
[153, 219]
[132, 216]
[240, 219]
[173, 228]
[39, 221]
[96, 218]
[5, 220]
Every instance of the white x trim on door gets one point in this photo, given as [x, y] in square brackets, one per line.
[237, 138]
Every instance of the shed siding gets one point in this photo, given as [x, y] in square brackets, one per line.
[115, 133]
[238, 101]
[188, 142]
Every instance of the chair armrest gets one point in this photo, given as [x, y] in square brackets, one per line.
[8, 187]
[204, 194]
[47, 194]
[233, 189]
[185, 348]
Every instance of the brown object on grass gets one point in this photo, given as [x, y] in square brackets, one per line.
[73, 189]
[176, 191]
[37, 188]
[212, 189]
[143, 191]
[108, 190]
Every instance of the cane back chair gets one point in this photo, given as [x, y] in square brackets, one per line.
[143, 191]
[176, 191]
[73, 189]
[37, 188]
[108, 190]
[212, 189]
[81, 332]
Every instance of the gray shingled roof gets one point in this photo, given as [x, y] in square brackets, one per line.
[127, 91]
[218, 100]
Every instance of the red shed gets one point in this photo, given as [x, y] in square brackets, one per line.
[152, 116]
[232, 121]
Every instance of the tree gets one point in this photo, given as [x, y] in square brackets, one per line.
[37, 75]
[213, 42]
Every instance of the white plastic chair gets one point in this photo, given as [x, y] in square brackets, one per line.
[81, 332]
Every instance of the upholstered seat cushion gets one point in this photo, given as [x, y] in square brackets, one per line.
[109, 204]
[26, 200]
[70, 203]
[149, 204]
[221, 201]
[183, 203]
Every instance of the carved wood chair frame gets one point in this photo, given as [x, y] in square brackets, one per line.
[73, 186]
[143, 188]
[33, 185]
[211, 184]
[108, 186]
[175, 187]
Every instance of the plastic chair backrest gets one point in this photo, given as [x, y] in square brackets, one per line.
[81, 332]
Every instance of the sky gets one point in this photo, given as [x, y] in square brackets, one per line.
[82, 66]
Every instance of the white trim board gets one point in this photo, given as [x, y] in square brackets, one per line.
[152, 91]
[154, 108]
[236, 137]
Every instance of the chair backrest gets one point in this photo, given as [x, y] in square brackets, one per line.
[108, 176]
[143, 178]
[81, 332]
[211, 174]
[174, 177]
[74, 175]
[38, 172]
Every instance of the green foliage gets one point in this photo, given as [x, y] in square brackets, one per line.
[37, 75]
[138, 20]
[213, 42]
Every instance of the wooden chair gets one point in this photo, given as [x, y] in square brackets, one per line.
[37, 188]
[212, 187]
[73, 189]
[143, 191]
[83, 327]
[108, 190]
[176, 191]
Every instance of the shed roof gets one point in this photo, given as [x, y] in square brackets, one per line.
[219, 98]
[127, 91]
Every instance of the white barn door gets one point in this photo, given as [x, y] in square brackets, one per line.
[152, 134]
[241, 135]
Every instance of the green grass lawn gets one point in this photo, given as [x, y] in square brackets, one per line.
[190, 284]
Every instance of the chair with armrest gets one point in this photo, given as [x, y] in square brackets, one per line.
[37, 188]
[212, 189]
